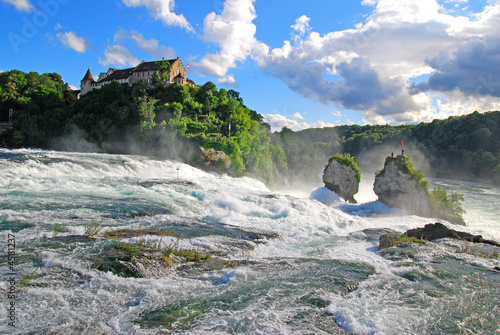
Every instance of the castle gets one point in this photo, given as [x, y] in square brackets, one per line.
[143, 71]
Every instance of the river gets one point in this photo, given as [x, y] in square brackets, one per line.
[281, 263]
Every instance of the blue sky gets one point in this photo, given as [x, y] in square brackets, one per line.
[301, 64]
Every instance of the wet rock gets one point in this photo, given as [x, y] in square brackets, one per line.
[434, 231]
[399, 185]
[128, 233]
[430, 232]
[342, 179]
[389, 241]
[396, 187]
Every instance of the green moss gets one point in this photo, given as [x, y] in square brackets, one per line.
[166, 254]
[346, 160]
[26, 280]
[395, 240]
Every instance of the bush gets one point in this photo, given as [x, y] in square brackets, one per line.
[92, 228]
[447, 205]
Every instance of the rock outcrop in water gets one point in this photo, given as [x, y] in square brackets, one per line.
[342, 176]
[399, 185]
[438, 230]
[430, 232]
[396, 186]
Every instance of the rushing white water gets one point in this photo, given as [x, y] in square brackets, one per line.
[281, 264]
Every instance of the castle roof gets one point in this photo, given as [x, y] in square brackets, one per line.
[118, 74]
[151, 66]
[88, 76]
[146, 66]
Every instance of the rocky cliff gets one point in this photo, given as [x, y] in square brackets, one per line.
[399, 185]
[342, 176]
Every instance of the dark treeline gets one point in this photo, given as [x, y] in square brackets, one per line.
[175, 121]
[464, 147]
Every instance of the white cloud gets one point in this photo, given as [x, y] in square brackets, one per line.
[73, 41]
[118, 55]
[372, 66]
[227, 80]
[322, 124]
[374, 62]
[21, 5]
[301, 27]
[162, 10]
[278, 121]
[298, 116]
[234, 32]
[151, 46]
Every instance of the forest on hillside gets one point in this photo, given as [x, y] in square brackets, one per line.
[175, 121]
[462, 147]
[164, 121]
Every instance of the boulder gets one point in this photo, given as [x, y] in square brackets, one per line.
[400, 185]
[342, 178]
[397, 186]
[391, 240]
[438, 230]
[430, 232]
[217, 160]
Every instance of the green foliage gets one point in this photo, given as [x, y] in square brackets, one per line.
[27, 279]
[164, 68]
[160, 120]
[450, 205]
[167, 253]
[56, 229]
[92, 228]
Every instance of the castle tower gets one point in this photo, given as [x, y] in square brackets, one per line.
[86, 83]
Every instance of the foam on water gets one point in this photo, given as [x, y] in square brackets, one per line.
[321, 273]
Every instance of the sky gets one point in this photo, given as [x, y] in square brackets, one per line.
[301, 64]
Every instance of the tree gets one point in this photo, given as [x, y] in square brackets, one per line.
[146, 106]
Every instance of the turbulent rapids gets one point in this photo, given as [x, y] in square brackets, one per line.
[110, 244]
